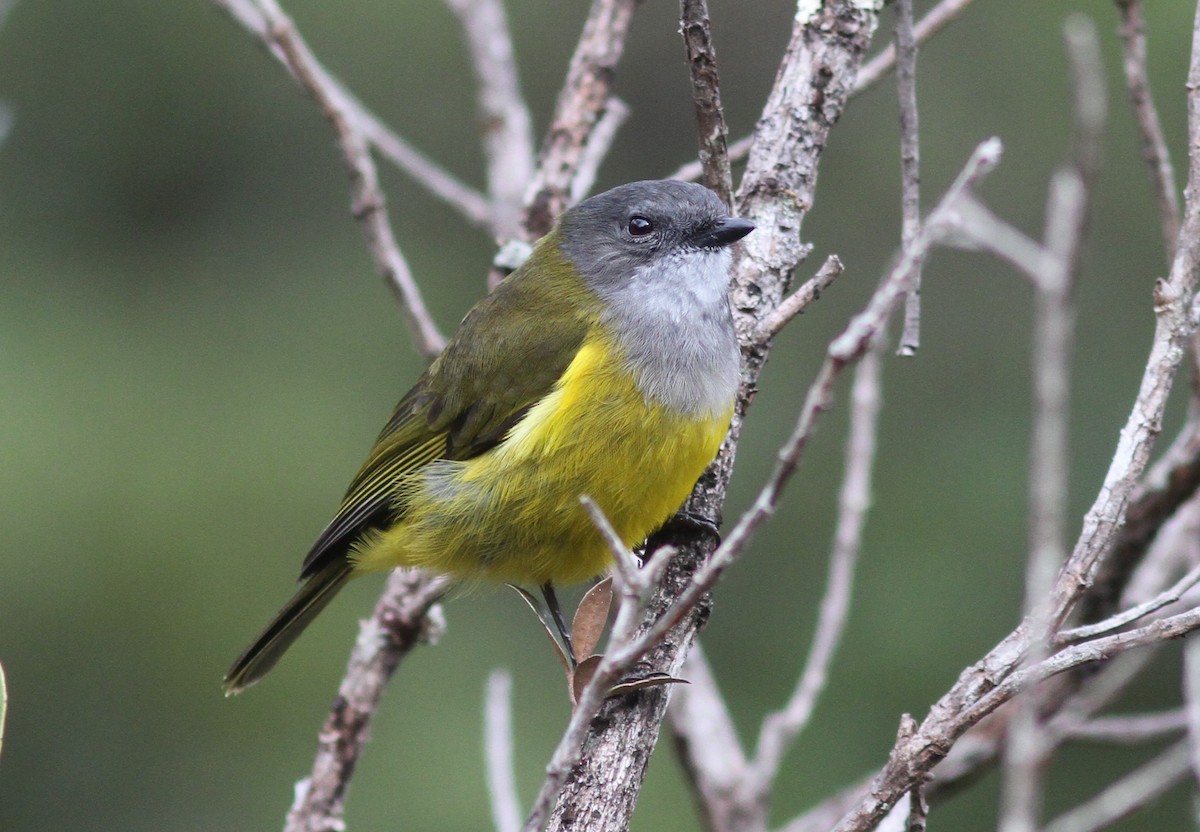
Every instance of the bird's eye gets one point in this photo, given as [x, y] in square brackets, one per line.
[639, 226]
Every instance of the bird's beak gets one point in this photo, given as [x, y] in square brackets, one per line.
[726, 231]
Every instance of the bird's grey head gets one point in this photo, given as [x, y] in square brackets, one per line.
[656, 253]
[644, 227]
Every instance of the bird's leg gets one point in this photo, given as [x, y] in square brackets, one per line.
[559, 622]
[689, 521]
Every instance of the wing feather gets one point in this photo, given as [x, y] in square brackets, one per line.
[509, 352]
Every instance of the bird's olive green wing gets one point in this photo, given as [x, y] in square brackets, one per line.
[508, 353]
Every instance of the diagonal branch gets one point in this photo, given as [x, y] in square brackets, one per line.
[279, 33]
[403, 618]
[471, 204]
[779, 730]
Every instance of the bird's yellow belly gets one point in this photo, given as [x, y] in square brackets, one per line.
[513, 513]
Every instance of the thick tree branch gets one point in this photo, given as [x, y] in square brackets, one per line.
[870, 74]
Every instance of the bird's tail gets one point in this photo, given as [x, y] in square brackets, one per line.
[317, 591]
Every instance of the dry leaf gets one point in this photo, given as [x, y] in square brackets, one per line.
[591, 618]
[583, 674]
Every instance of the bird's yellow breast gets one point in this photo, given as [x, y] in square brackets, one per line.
[513, 513]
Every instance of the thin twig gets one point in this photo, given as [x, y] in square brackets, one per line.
[910, 166]
[403, 618]
[712, 132]
[367, 204]
[472, 205]
[1127, 795]
[780, 729]
[798, 301]
[616, 113]
[1136, 728]
[498, 752]
[1154, 144]
[583, 98]
[629, 576]
[1116, 622]
[503, 114]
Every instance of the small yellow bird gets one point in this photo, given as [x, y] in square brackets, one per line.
[604, 366]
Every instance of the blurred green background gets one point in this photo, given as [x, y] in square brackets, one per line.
[195, 354]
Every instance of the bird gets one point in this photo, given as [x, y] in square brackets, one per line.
[605, 366]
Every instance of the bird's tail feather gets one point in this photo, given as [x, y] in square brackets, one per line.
[317, 591]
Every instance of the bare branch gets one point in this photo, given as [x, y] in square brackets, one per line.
[1115, 622]
[712, 132]
[918, 809]
[628, 574]
[435, 179]
[939, 16]
[3, 705]
[368, 204]
[580, 103]
[471, 204]
[1154, 145]
[616, 113]
[910, 166]
[692, 171]
[1128, 794]
[798, 301]
[403, 618]
[780, 729]
[498, 752]
[707, 744]
[1172, 333]
[939, 731]
[503, 113]
[1137, 728]
[1169, 483]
